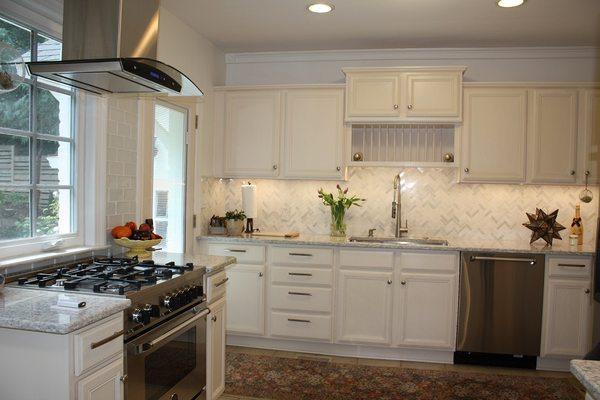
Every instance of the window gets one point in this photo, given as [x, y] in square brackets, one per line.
[37, 146]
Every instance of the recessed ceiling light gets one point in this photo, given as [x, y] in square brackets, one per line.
[509, 3]
[320, 8]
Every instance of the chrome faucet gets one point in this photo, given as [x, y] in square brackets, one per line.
[397, 207]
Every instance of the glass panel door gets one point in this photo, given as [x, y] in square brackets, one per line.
[168, 186]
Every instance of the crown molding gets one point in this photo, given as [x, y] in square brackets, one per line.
[480, 53]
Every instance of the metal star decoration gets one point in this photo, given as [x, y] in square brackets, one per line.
[544, 226]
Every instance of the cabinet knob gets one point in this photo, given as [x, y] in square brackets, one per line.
[123, 378]
[260, 274]
[467, 170]
[403, 282]
[389, 281]
[338, 168]
[395, 106]
[274, 167]
[587, 173]
[587, 291]
[410, 106]
[214, 318]
[572, 172]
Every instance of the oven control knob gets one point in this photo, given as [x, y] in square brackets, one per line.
[140, 316]
[196, 291]
[153, 310]
[187, 295]
[170, 301]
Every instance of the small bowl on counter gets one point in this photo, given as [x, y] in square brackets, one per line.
[139, 248]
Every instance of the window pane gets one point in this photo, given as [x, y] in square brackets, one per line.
[53, 162]
[17, 37]
[48, 49]
[14, 160]
[169, 177]
[14, 214]
[14, 108]
[53, 212]
[53, 113]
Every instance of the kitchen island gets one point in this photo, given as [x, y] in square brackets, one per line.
[588, 373]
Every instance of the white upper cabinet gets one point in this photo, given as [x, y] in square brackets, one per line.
[419, 94]
[432, 94]
[494, 135]
[590, 148]
[252, 131]
[314, 133]
[373, 94]
[552, 150]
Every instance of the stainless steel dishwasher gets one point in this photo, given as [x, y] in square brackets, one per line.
[500, 309]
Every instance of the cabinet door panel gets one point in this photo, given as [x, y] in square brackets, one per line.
[426, 310]
[372, 94]
[494, 135]
[552, 154]
[567, 319]
[246, 299]
[364, 307]
[314, 128]
[591, 149]
[433, 94]
[216, 352]
[252, 129]
[104, 384]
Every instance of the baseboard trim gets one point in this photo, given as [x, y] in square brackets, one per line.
[344, 350]
[553, 364]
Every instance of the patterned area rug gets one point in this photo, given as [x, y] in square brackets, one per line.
[300, 379]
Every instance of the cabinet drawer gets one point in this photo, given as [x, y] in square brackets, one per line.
[242, 252]
[301, 325]
[98, 344]
[301, 256]
[423, 261]
[216, 286]
[301, 298]
[364, 258]
[302, 275]
[574, 267]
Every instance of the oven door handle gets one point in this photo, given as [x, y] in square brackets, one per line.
[142, 348]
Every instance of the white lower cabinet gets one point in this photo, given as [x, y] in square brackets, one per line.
[364, 307]
[246, 299]
[215, 356]
[104, 384]
[426, 312]
[567, 324]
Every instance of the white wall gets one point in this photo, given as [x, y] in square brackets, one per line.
[489, 64]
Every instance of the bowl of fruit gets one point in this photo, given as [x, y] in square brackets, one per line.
[139, 240]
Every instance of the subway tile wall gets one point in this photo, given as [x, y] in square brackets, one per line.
[121, 163]
[433, 202]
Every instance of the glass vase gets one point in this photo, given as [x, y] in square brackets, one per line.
[338, 224]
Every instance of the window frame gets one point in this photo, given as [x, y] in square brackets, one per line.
[36, 244]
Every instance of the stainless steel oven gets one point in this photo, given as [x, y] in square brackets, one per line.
[169, 361]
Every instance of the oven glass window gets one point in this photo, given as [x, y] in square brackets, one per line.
[170, 364]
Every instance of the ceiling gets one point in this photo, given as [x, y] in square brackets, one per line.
[284, 25]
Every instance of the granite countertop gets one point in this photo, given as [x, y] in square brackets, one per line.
[588, 373]
[559, 247]
[211, 263]
[36, 310]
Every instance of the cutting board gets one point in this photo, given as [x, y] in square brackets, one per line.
[277, 234]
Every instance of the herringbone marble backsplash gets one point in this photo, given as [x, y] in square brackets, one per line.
[433, 202]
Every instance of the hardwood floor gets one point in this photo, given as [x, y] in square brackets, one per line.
[399, 364]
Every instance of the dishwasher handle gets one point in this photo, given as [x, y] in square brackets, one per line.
[530, 261]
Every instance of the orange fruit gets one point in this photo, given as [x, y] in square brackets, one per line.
[119, 232]
[131, 225]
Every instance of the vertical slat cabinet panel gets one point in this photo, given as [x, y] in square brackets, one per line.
[553, 136]
[252, 132]
[494, 135]
[314, 133]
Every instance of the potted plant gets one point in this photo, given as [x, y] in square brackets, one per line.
[235, 222]
[338, 206]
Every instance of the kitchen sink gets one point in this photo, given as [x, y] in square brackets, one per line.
[394, 240]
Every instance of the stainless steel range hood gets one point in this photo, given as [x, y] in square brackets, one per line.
[110, 46]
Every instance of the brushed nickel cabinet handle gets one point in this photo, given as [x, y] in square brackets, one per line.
[222, 282]
[95, 345]
[572, 265]
[299, 294]
[301, 254]
[298, 320]
[236, 251]
[299, 274]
